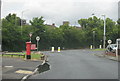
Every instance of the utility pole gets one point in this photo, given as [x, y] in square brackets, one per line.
[21, 22]
[104, 36]
[93, 39]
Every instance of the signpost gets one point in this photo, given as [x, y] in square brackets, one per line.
[118, 47]
[37, 38]
[33, 46]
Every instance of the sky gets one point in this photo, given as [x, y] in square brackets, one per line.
[57, 11]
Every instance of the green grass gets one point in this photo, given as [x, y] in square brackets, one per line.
[99, 49]
[16, 53]
[33, 55]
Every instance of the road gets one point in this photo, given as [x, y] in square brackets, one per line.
[78, 64]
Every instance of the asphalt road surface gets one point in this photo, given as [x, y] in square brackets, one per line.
[11, 65]
[78, 64]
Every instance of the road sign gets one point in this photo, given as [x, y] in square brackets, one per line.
[37, 38]
[33, 46]
[109, 41]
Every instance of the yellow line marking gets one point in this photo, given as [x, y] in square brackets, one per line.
[24, 72]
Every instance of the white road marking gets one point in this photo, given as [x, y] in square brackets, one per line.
[8, 66]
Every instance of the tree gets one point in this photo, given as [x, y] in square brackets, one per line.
[83, 22]
[118, 21]
[97, 24]
[38, 23]
[63, 36]
[10, 32]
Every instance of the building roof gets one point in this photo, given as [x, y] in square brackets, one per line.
[53, 25]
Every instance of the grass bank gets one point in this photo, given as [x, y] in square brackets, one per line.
[33, 55]
[98, 49]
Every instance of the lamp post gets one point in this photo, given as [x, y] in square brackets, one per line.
[93, 32]
[93, 15]
[21, 19]
[93, 39]
[21, 22]
[104, 36]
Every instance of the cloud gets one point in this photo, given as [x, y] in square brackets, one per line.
[59, 10]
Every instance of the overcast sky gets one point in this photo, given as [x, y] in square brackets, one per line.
[57, 11]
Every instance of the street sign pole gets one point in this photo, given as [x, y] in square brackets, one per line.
[37, 38]
[118, 48]
[37, 45]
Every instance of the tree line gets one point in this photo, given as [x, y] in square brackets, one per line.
[64, 36]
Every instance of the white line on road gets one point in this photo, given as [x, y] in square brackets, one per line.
[8, 66]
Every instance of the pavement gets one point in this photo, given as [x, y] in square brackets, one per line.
[15, 68]
[108, 56]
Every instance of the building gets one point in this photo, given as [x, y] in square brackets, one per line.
[66, 23]
[118, 9]
[53, 25]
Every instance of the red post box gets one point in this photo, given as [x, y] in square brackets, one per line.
[28, 50]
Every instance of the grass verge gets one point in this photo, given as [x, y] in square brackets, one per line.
[33, 55]
[99, 49]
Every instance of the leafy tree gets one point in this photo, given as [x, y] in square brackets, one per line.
[63, 36]
[10, 32]
[97, 25]
[38, 23]
[118, 21]
[83, 22]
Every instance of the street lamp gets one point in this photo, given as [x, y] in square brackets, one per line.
[94, 39]
[104, 36]
[93, 15]
[21, 19]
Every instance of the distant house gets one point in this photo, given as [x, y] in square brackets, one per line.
[78, 27]
[66, 23]
[53, 25]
